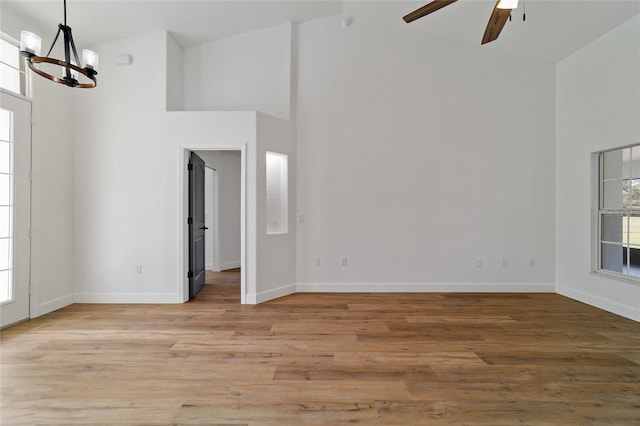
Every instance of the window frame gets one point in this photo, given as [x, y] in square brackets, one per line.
[24, 77]
[599, 212]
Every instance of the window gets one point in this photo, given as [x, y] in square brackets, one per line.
[618, 224]
[12, 73]
[6, 205]
[277, 193]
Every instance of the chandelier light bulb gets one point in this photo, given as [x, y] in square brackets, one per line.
[89, 59]
[30, 43]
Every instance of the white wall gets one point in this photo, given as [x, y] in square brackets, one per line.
[125, 179]
[598, 107]
[250, 71]
[120, 173]
[52, 186]
[416, 158]
[228, 166]
[175, 75]
[276, 266]
[253, 71]
[52, 215]
[130, 176]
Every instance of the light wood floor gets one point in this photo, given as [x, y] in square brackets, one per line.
[325, 359]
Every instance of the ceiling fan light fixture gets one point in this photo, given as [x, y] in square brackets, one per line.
[508, 4]
[30, 46]
[499, 16]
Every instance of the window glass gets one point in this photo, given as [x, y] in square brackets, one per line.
[12, 75]
[613, 192]
[9, 54]
[634, 162]
[612, 165]
[623, 166]
[5, 125]
[5, 157]
[9, 78]
[612, 228]
[619, 212]
[631, 231]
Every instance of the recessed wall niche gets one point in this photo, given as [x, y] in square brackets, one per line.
[277, 193]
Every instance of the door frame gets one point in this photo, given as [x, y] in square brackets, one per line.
[28, 243]
[183, 212]
[213, 230]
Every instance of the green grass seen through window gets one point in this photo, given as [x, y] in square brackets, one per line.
[634, 232]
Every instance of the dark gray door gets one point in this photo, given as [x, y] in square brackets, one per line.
[196, 225]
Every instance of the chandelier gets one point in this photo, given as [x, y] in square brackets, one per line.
[31, 43]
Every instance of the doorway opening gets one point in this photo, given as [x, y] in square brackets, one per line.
[211, 216]
[225, 172]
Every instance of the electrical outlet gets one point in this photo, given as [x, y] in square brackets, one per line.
[532, 262]
[505, 262]
[301, 219]
[478, 263]
[316, 262]
[343, 262]
[139, 269]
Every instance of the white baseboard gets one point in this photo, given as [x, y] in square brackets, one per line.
[425, 288]
[250, 299]
[53, 305]
[229, 265]
[614, 307]
[265, 296]
[209, 267]
[127, 298]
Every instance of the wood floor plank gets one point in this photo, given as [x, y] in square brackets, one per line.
[327, 327]
[447, 318]
[408, 359]
[542, 357]
[324, 359]
[321, 391]
[309, 413]
[340, 372]
[476, 412]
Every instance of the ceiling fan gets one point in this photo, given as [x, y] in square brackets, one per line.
[501, 12]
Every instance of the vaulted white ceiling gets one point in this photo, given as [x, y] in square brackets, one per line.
[191, 21]
[553, 28]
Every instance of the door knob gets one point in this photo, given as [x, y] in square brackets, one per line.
[204, 228]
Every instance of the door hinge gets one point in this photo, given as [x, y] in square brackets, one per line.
[190, 274]
[190, 166]
[189, 221]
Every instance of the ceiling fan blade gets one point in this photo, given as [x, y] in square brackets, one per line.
[496, 22]
[427, 9]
